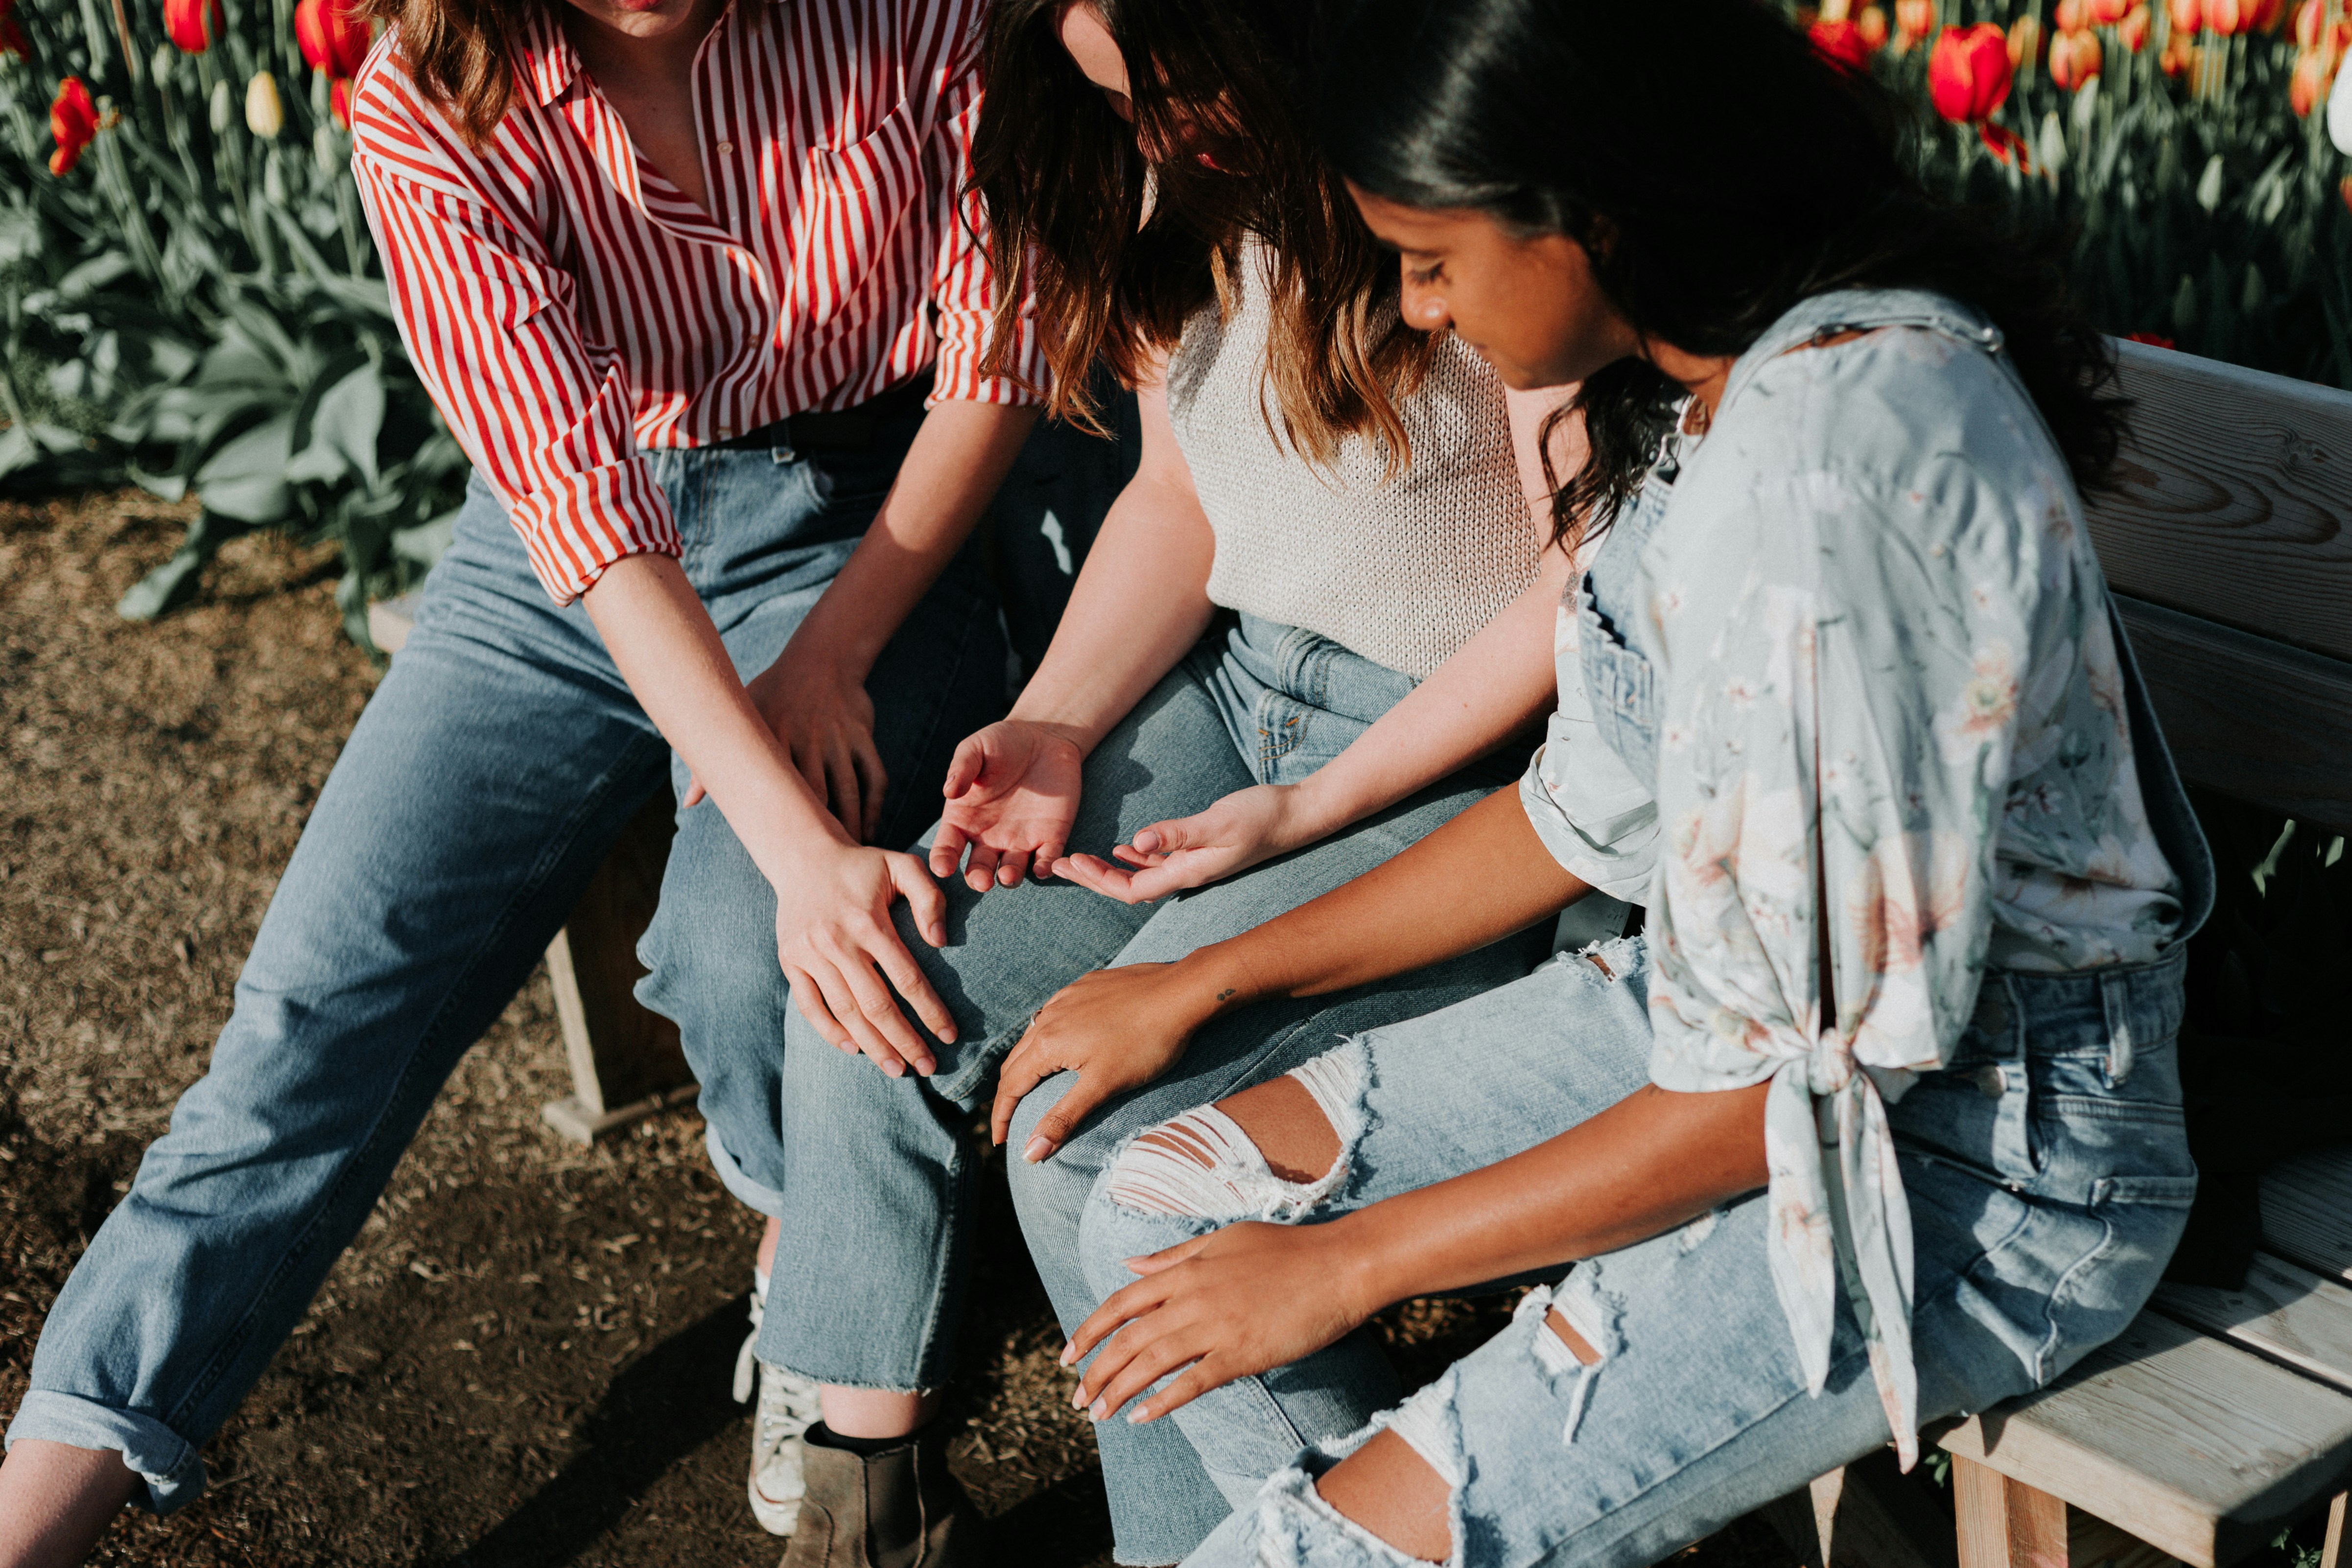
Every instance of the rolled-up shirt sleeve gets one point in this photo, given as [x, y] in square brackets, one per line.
[1595, 817]
[488, 320]
[964, 288]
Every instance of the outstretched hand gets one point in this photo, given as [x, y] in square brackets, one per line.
[1238, 832]
[1012, 795]
[1239, 1301]
[1117, 1029]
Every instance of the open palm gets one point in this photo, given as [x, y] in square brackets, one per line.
[1012, 795]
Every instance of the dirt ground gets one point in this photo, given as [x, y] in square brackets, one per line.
[525, 1358]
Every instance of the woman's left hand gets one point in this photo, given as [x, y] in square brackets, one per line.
[1246, 1300]
[1234, 834]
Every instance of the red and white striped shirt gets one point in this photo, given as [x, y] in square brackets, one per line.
[569, 308]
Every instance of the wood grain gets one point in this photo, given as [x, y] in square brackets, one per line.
[2307, 1211]
[2197, 1446]
[2234, 499]
[2248, 716]
[2291, 1315]
[2005, 1524]
[2093, 1542]
[620, 1053]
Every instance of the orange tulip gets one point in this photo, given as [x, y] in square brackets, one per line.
[1841, 44]
[2344, 191]
[2314, 73]
[2270, 14]
[2132, 31]
[1914, 18]
[2107, 13]
[2310, 24]
[2179, 57]
[2074, 59]
[333, 40]
[1872, 22]
[2067, 17]
[2187, 16]
[73, 120]
[2024, 42]
[2227, 18]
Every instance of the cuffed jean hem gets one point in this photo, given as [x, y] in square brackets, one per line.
[751, 1194]
[167, 1462]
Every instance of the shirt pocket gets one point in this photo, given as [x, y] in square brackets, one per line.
[855, 200]
[1617, 685]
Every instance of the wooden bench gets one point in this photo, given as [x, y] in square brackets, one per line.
[2219, 1418]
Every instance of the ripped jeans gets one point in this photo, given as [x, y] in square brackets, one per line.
[1414, 1103]
[2047, 1176]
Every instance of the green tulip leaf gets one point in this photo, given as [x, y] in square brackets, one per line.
[246, 479]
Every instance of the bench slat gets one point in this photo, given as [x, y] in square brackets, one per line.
[2289, 1314]
[2201, 1446]
[2307, 1211]
[2234, 499]
[2247, 716]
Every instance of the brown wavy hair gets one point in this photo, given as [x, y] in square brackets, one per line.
[1123, 230]
[460, 54]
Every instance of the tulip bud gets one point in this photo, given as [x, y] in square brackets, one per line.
[73, 124]
[1836, 10]
[2187, 16]
[2068, 16]
[2025, 40]
[1872, 22]
[2052, 148]
[264, 115]
[2074, 59]
[2087, 108]
[2209, 185]
[2307, 88]
[159, 64]
[2133, 30]
[219, 109]
[324, 150]
[2339, 113]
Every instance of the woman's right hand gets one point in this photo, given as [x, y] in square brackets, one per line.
[837, 945]
[1234, 834]
[1117, 1029]
[1012, 795]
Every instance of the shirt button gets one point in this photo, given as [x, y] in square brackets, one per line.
[725, 148]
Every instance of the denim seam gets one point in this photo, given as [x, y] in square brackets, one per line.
[935, 1345]
[234, 1338]
[2061, 1295]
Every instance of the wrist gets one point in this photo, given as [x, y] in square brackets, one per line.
[1215, 980]
[1356, 1265]
[1083, 737]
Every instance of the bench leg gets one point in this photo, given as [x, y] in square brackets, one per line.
[2331, 1549]
[2005, 1524]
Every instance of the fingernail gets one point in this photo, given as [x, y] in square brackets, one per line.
[1069, 1355]
[1078, 1400]
[896, 1069]
[1138, 1416]
[1098, 1409]
[1037, 1150]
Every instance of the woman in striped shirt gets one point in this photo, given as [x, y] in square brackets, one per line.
[683, 276]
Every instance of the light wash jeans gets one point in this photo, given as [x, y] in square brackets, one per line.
[872, 1176]
[2048, 1179]
[498, 759]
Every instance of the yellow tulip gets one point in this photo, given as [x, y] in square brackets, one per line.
[264, 115]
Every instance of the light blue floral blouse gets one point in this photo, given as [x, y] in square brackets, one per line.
[1863, 632]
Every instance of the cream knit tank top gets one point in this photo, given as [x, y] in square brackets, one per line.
[1402, 572]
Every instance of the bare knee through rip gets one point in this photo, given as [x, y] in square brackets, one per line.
[1272, 1151]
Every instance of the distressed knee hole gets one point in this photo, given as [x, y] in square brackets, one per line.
[1576, 1347]
[1204, 1165]
[1573, 1343]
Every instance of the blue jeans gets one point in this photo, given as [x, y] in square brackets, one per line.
[2048, 1177]
[491, 770]
[872, 1176]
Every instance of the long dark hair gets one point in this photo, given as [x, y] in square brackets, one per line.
[1716, 169]
[1117, 270]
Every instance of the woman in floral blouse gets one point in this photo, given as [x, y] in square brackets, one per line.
[1879, 1120]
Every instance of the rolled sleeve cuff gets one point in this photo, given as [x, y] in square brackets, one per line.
[575, 527]
[1614, 852]
[167, 1462]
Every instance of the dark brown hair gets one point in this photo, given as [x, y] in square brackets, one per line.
[1123, 231]
[1716, 169]
[461, 56]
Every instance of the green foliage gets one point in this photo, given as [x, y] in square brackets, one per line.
[208, 300]
[2199, 208]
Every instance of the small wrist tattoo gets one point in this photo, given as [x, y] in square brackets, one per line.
[1226, 995]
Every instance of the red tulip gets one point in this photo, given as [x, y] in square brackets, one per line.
[73, 120]
[338, 102]
[1842, 44]
[12, 37]
[2074, 59]
[1968, 74]
[2270, 14]
[2132, 31]
[2154, 340]
[193, 25]
[333, 40]
[2187, 16]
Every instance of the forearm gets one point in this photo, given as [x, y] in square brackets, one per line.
[952, 468]
[1653, 1161]
[1477, 880]
[1141, 603]
[1497, 684]
[662, 638]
